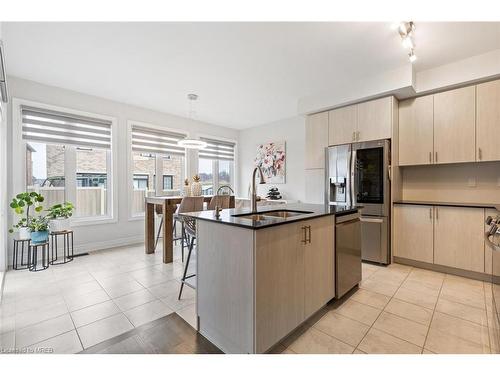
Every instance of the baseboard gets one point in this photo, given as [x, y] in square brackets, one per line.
[444, 269]
[101, 245]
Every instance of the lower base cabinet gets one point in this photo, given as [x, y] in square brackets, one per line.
[446, 236]
[459, 238]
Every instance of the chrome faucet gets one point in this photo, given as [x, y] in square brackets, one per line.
[254, 198]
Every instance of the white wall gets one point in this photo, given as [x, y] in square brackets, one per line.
[3, 187]
[292, 131]
[124, 231]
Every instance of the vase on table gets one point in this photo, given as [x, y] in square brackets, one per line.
[196, 186]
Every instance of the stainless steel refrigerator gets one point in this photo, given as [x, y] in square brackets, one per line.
[358, 173]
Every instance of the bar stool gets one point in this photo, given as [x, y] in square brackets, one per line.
[33, 249]
[67, 236]
[190, 232]
[15, 256]
[222, 200]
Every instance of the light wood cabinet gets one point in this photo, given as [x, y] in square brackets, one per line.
[375, 119]
[342, 125]
[316, 140]
[454, 126]
[488, 121]
[315, 186]
[319, 262]
[413, 237]
[279, 283]
[459, 238]
[416, 131]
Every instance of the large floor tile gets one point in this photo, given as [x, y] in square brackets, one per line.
[386, 288]
[462, 311]
[346, 330]
[314, 341]
[410, 311]
[104, 329]
[460, 328]
[7, 323]
[358, 311]
[369, 298]
[43, 331]
[79, 302]
[93, 313]
[148, 312]
[402, 328]
[444, 343]
[79, 289]
[31, 317]
[471, 298]
[164, 289]
[134, 299]
[188, 313]
[7, 341]
[188, 298]
[378, 342]
[417, 298]
[67, 343]
[122, 288]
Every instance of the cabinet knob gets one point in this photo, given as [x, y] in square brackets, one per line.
[480, 153]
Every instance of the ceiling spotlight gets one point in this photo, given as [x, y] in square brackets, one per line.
[407, 42]
[412, 56]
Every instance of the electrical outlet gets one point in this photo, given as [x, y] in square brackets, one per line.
[472, 182]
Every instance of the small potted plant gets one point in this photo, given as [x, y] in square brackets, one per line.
[39, 227]
[22, 203]
[196, 186]
[59, 215]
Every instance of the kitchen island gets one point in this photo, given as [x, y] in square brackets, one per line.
[260, 275]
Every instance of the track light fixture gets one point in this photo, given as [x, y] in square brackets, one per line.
[406, 31]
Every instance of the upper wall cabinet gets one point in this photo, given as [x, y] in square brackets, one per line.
[488, 121]
[416, 131]
[375, 119]
[342, 125]
[316, 140]
[454, 126]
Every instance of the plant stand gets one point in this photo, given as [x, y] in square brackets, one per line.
[15, 257]
[33, 249]
[67, 256]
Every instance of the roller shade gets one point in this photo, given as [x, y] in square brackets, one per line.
[156, 141]
[216, 149]
[41, 125]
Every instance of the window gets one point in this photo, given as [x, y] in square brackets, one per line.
[62, 147]
[216, 165]
[155, 153]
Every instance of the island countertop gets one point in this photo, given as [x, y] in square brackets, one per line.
[227, 216]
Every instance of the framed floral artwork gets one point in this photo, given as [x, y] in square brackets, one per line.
[271, 158]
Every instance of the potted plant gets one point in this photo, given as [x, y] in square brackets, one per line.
[59, 215]
[39, 227]
[21, 204]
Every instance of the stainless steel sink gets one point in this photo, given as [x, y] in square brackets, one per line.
[284, 214]
[276, 214]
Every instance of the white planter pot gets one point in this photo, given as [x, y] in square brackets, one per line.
[24, 234]
[59, 225]
[195, 189]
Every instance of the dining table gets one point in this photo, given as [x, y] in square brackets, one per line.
[166, 205]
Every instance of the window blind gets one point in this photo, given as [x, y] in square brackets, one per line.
[156, 141]
[219, 150]
[41, 125]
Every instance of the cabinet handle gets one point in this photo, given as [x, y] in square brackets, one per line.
[353, 136]
[430, 157]
[430, 213]
[436, 159]
[309, 230]
[480, 153]
[437, 213]
[305, 235]
[358, 135]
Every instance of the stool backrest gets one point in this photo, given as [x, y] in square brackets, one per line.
[221, 200]
[191, 204]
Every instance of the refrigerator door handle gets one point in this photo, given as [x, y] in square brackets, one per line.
[352, 176]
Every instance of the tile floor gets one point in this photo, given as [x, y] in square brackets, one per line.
[397, 309]
[75, 306]
[401, 309]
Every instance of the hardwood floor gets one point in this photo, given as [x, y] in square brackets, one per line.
[167, 335]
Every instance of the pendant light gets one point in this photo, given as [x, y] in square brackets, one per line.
[189, 142]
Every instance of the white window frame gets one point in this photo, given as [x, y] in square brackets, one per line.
[158, 166]
[19, 156]
[215, 163]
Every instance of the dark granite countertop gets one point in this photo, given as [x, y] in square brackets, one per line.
[311, 211]
[450, 204]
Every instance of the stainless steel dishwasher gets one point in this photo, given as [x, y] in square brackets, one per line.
[347, 253]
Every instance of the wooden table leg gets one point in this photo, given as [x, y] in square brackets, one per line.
[168, 250]
[149, 230]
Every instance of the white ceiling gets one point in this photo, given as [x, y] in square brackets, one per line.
[246, 74]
